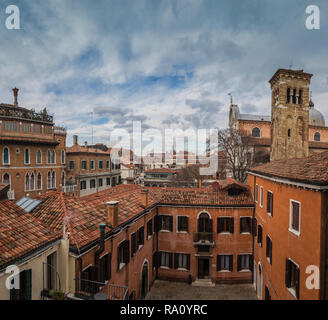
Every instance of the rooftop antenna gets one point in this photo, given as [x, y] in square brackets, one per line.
[291, 64]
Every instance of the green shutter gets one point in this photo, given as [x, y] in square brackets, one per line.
[28, 284]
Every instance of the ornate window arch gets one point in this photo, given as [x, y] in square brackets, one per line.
[27, 182]
[27, 156]
[6, 156]
[39, 181]
[317, 136]
[32, 181]
[6, 178]
[39, 157]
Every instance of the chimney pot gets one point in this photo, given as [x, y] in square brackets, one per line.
[144, 198]
[86, 144]
[15, 90]
[75, 140]
[112, 213]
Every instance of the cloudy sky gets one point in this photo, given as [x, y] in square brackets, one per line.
[166, 63]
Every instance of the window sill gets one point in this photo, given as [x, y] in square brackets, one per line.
[140, 246]
[149, 237]
[269, 214]
[182, 232]
[122, 265]
[245, 232]
[182, 269]
[224, 271]
[244, 270]
[165, 231]
[296, 233]
[224, 233]
[165, 268]
[269, 261]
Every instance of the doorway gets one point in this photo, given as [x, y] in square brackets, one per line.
[144, 281]
[203, 268]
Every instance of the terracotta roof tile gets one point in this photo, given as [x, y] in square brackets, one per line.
[312, 169]
[20, 233]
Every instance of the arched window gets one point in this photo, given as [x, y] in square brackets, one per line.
[63, 160]
[6, 178]
[204, 222]
[317, 136]
[288, 95]
[39, 157]
[256, 132]
[53, 157]
[288, 133]
[27, 156]
[27, 182]
[63, 179]
[53, 180]
[48, 157]
[39, 181]
[6, 158]
[49, 180]
[32, 180]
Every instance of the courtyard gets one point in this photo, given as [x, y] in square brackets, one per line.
[168, 290]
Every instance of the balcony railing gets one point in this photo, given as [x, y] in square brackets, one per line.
[93, 290]
[11, 194]
[203, 238]
[69, 188]
[22, 113]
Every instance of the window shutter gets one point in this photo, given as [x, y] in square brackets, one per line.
[271, 204]
[287, 275]
[254, 227]
[176, 261]
[170, 223]
[268, 201]
[218, 265]
[297, 283]
[28, 284]
[13, 294]
[210, 225]
[251, 262]
[170, 260]
[232, 225]
[155, 223]
[127, 249]
[133, 244]
[231, 262]
[219, 227]
[142, 235]
[187, 222]
[118, 256]
[109, 266]
[239, 263]
[240, 225]
[188, 261]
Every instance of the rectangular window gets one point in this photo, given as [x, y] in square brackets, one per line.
[104, 264]
[83, 185]
[92, 164]
[123, 254]
[107, 164]
[292, 277]
[149, 228]
[182, 224]
[100, 182]
[256, 193]
[107, 181]
[141, 236]
[182, 261]
[245, 224]
[261, 197]
[225, 225]
[244, 262]
[92, 184]
[71, 165]
[259, 235]
[270, 203]
[165, 223]
[269, 249]
[25, 290]
[224, 262]
[166, 259]
[295, 216]
[84, 165]
[133, 243]
[100, 164]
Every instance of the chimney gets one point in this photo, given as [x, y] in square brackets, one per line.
[200, 183]
[86, 144]
[112, 213]
[15, 90]
[75, 140]
[144, 198]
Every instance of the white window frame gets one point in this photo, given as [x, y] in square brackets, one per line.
[61, 157]
[94, 165]
[261, 196]
[268, 259]
[291, 290]
[165, 230]
[36, 157]
[186, 254]
[177, 222]
[256, 191]
[86, 161]
[297, 233]
[225, 255]
[249, 261]
[37, 181]
[29, 156]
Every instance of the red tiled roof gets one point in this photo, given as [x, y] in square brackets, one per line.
[3, 186]
[312, 169]
[82, 149]
[20, 233]
[161, 170]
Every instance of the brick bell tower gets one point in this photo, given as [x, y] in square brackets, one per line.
[289, 114]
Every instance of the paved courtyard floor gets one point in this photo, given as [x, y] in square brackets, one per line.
[168, 290]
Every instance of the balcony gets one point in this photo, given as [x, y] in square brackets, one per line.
[93, 290]
[24, 114]
[11, 195]
[204, 238]
[69, 188]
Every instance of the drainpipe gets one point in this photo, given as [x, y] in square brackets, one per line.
[253, 275]
[157, 244]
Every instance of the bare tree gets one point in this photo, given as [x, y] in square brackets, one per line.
[238, 152]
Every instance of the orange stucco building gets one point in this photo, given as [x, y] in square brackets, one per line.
[291, 215]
